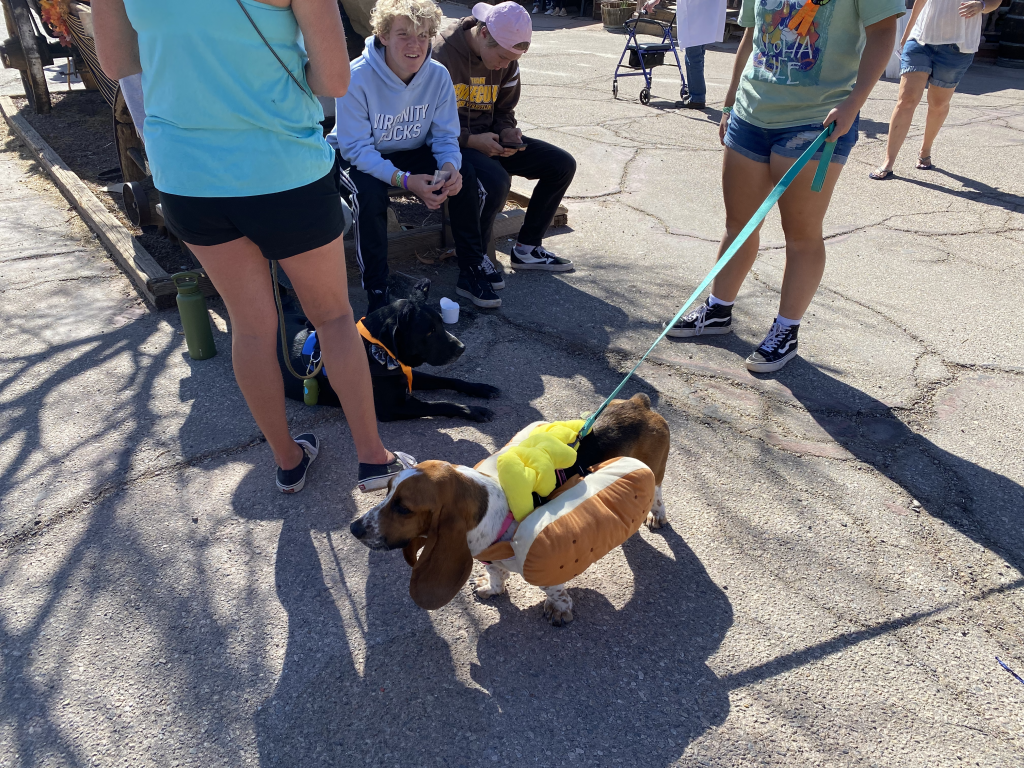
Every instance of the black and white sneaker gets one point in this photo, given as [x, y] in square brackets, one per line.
[777, 349]
[707, 318]
[293, 480]
[538, 257]
[475, 286]
[373, 477]
[494, 277]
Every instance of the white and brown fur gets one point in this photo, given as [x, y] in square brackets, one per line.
[452, 513]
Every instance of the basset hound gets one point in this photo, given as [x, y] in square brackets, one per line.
[442, 515]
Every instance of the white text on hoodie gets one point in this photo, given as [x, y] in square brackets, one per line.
[393, 127]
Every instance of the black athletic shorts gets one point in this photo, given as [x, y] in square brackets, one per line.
[281, 224]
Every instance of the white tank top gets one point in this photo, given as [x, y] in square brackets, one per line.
[940, 24]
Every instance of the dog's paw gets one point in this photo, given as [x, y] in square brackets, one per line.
[558, 608]
[483, 391]
[479, 413]
[657, 517]
[486, 587]
[653, 521]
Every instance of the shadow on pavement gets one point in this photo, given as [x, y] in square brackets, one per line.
[108, 576]
[985, 506]
[630, 683]
[975, 191]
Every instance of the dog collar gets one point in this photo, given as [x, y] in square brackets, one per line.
[499, 550]
[369, 337]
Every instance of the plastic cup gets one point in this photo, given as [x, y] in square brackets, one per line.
[449, 311]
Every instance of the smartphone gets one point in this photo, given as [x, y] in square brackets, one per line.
[440, 176]
[512, 144]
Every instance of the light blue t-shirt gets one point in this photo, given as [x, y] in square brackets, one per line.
[223, 119]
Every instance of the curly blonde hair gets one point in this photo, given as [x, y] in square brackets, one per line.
[422, 13]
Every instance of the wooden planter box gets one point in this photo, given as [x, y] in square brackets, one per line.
[615, 13]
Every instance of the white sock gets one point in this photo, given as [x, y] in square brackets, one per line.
[785, 321]
[715, 301]
[524, 250]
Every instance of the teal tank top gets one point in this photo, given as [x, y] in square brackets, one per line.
[223, 119]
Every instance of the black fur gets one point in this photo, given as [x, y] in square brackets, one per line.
[415, 333]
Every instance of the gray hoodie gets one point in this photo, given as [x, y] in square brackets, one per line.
[380, 114]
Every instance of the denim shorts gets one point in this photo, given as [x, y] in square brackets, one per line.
[758, 144]
[945, 62]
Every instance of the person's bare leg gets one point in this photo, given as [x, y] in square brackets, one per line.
[745, 185]
[938, 110]
[321, 283]
[803, 212]
[912, 86]
[242, 278]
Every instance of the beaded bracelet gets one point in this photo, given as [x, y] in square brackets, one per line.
[727, 110]
[396, 179]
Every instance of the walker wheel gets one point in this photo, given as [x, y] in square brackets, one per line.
[682, 92]
[615, 89]
[645, 96]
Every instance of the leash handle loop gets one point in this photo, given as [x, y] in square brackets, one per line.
[285, 351]
[736, 244]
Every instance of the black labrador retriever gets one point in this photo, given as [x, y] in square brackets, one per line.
[414, 333]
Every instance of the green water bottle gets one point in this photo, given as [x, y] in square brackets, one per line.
[310, 391]
[194, 317]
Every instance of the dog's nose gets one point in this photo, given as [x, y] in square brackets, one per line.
[357, 528]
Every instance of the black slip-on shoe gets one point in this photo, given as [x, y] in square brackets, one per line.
[293, 480]
[373, 477]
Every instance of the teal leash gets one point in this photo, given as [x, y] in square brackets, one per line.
[741, 238]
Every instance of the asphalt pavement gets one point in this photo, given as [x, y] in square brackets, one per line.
[845, 551]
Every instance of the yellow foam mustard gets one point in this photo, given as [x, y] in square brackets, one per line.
[529, 467]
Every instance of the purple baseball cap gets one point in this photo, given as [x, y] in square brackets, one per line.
[509, 23]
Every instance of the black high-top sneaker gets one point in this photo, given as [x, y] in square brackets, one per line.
[474, 285]
[707, 318]
[493, 275]
[777, 349]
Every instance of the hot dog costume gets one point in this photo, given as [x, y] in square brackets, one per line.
[584, 512]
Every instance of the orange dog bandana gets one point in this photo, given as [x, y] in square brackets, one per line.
[369, 337]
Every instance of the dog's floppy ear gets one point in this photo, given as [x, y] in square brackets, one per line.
[445, 562]
[411, 550]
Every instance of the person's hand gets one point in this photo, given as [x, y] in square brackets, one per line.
[723, 126]
[423, 187]
[487, 143]
[512, 136]
[971, 8]
[454, 184]
[843, 116]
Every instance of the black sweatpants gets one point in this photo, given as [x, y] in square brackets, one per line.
[554, 169]
[371, 225]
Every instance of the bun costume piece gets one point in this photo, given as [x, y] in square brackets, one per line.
[585, 514]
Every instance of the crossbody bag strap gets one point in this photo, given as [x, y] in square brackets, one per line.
[271, 49]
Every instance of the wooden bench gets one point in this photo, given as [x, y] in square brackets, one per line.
[420, 239]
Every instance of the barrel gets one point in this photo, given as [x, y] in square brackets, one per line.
[1011, 38]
